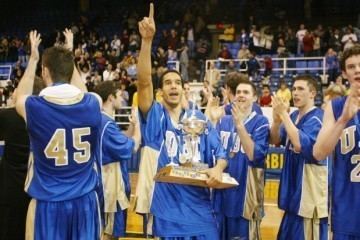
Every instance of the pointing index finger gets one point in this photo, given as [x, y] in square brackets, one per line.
[151, 12]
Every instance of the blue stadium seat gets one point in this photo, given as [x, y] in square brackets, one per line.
[301, 64]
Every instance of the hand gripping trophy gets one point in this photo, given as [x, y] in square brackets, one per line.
[189, 171]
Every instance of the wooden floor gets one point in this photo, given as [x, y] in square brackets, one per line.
[269, 225]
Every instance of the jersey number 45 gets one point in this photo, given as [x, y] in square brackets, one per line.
[56, 147]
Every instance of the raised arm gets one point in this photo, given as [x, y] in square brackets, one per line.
[145, 86]
[76, 78]
[331, 129]
[25, 87]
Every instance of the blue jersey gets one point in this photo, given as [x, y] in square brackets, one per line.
[64, 140]
[245, 200]
[346, 176]
[303, 182]
[175, 204]
[115, 150]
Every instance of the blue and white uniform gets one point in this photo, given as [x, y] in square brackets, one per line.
[242, 206]
[115, 152]
[180, 211]
[303, 191]
[346, 179]
[63, 125]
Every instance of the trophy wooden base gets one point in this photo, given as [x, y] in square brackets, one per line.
[189, 176]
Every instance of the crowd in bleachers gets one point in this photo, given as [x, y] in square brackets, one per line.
[102, 56]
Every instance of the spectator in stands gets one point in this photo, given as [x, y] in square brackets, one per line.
[89, 84]
[308, 43]
[244, 38]
[96, 77]
[113, 59]
[340, 82]
[224, 53]
[281, 48]
[134, 41]
[164, 39]
[125, 39]
[100, 61]
[188, 101]
[184, 63]
[317, 46]
[335, 40]
[231, 67]
[284, 92]
[124, 95]
[254, 40]
[349, 39]
[332, 92]
[171, 54]
[131, 68]
[332, 64]
[268, 66]
[191, 40]
[115, 45]
[265, 98]
[253, 65]
[243, 52]
[109, 73]
[291, 41]
[212, 75]
[172, 41]
[300, 35]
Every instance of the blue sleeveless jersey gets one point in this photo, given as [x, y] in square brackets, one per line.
[64, 140]
[304, 181]
[346, 176]
[245, 200]
[173, 204]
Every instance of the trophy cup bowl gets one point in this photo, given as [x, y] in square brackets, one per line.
[193, 125]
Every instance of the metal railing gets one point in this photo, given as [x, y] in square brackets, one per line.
[282, 65]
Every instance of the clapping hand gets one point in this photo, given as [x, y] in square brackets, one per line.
[280, 107]
[352, 103]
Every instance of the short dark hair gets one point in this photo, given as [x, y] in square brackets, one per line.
[107, 88]
[349, 52]
[38, 85]
[233, 79]
[60, 63]
[311, 81]
[166, 72]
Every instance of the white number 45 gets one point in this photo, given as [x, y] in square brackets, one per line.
[56, 147]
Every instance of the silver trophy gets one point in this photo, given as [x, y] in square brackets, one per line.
[193, 128]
